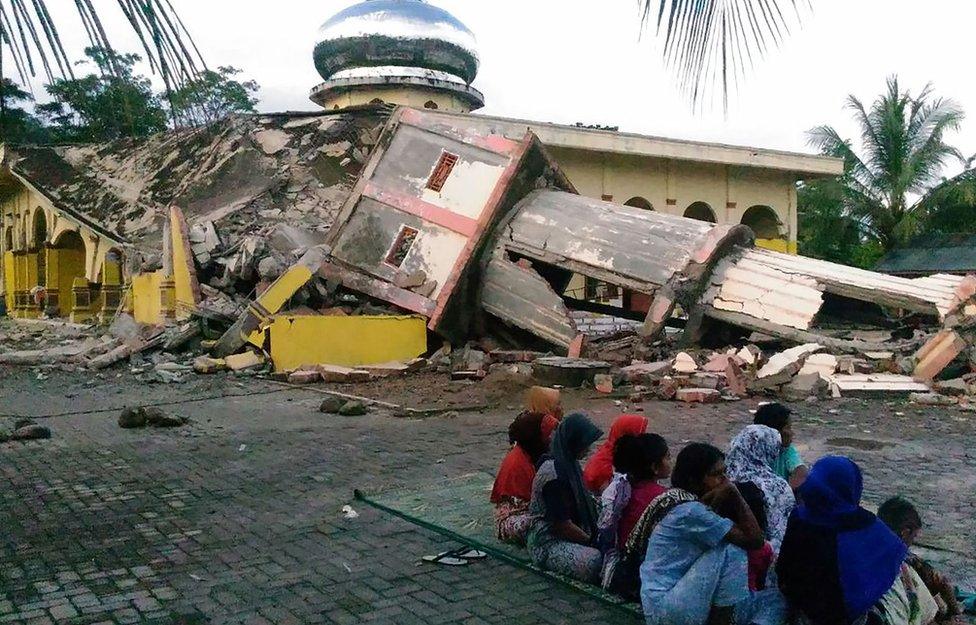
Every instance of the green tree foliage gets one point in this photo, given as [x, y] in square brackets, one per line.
[213, 95]
[17, 124]
[106, 105]
[892, 188]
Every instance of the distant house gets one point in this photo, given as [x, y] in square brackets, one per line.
[931, 254]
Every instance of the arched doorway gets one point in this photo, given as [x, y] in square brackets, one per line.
[701, 211]
[766, 225]
[639, 202]
[69, 250]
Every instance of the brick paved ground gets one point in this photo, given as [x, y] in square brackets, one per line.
[236, 518]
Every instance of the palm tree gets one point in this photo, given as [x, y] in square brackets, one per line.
[893, 188]
[29, 36]
[709, 42]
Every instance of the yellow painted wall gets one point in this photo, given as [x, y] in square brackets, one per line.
[146, 303]
[71, 265]
[345, 341]
[656, 180]
[186, 299]
[276, 296]
[415, 97]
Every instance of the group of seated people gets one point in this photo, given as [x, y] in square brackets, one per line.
[751, 537]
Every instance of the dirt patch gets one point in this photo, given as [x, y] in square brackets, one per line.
[864, 444]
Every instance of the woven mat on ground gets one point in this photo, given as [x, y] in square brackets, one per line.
[458, 508]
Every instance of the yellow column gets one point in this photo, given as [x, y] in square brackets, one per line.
[111, 289]
[82, 305]
[54, 303]
[20, 278]
[9, 281]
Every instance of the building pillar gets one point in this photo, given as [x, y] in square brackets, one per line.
[22, 291]
[81, 309]
[167, 298]
[54, 305]
[111, 289]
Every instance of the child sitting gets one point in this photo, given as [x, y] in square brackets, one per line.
[789, 465]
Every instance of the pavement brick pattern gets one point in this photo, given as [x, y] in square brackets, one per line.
[236, 518]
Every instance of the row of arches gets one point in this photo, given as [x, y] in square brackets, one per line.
[762, 219]
[46, 272]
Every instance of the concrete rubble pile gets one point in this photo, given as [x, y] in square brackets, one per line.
[457, 234]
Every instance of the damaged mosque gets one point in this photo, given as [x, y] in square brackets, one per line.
[400, 214]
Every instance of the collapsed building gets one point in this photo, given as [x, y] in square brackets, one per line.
[352, 237]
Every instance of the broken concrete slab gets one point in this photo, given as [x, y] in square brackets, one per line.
[387, 370]
[824, 364]
[783, 366]
[698, 395]
[855, 385]
[937, 353]
[567, 372]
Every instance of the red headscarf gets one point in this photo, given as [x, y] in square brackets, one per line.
[599, 470]
[515, 476]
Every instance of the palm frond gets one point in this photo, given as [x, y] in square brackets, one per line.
[30, 31]
[713, 43]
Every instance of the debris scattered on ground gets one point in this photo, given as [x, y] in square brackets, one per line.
[135, 418]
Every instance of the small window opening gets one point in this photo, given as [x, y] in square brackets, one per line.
[430, 104]
[401, 246]
[445, 165]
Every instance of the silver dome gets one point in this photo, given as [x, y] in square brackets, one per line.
[409, 33]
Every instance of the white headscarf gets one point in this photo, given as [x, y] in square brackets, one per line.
[751, 456]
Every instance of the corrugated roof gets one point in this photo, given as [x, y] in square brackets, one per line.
[933, 253]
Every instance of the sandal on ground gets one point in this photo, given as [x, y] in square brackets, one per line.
[446, 559]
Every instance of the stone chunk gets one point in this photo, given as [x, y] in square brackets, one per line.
[932, 399]
[807, 385]
[603, 383]
[684, 363]
[340, 375]
[645, 372]
[158, 419]
[332, 405]
[30, 433]
[353, 409]
[132, 418]
[206, 365]
[698, 395]
[512, 356]
[244, 361]
[304, 376]
[750, 355]
[955, 387]
[387, 370]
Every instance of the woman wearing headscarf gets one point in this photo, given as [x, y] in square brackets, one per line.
[529, 436]
[839, 563]
[695, 568]
[751, 458]
[562, 533]
[546, 401]
[599, 469]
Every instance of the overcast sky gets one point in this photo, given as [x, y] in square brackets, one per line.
[572, 61]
